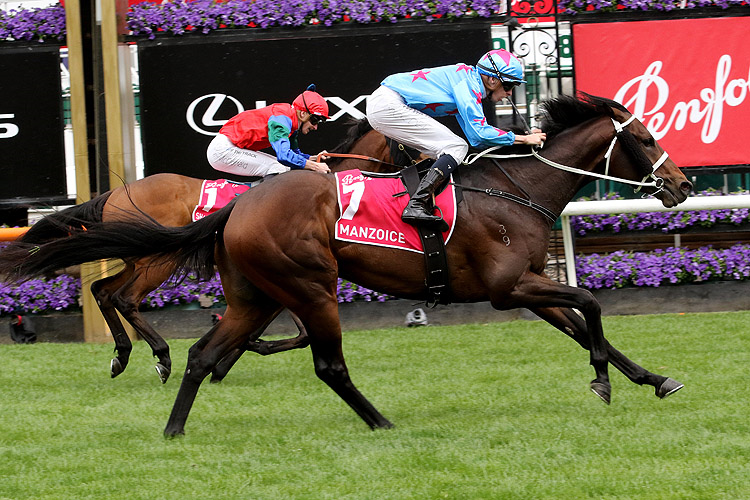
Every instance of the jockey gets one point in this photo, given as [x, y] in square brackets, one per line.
[403, 106]
[236, 148]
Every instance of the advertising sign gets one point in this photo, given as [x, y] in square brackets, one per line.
[687, 80]
[32, 149]
[190, 86]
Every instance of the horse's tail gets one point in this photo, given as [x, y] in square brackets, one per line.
[187, 247]
[60, 224]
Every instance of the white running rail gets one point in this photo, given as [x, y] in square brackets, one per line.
[634, 206]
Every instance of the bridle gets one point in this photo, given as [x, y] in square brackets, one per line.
[655, 181]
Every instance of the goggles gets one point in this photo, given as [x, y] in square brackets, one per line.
[314, 119]
[508, 86]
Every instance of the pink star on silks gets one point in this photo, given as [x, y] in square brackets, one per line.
[452, 112]
[478, 95]
[500, 132]
[432, 106]
[463, 67]
[419, 74]
[481, 121]
[504, 55]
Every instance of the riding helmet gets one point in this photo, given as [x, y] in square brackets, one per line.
[501, 64]
[313, 103]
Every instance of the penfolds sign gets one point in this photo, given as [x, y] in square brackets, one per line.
[687, 80]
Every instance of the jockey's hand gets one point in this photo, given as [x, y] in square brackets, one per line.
[533, 139]
[322, 156]
[317, 166]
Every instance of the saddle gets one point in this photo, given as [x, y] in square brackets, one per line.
[437, 278]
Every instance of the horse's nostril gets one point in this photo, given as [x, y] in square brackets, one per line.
[686, 186]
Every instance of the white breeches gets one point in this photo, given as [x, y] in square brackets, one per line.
[388, 114]
[226, 157]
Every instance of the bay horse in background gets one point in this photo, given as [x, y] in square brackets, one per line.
[497, 251]
[169, 199]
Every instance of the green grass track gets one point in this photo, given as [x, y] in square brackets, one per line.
[492, 411]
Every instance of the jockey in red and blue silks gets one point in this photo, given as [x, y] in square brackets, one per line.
[236, 148]
[405, 104]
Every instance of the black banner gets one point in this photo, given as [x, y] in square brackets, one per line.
[32, 147]
[190, 86]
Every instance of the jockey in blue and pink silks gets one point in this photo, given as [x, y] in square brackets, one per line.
[403, 106]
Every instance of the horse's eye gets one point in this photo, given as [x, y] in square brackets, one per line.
[649, 142]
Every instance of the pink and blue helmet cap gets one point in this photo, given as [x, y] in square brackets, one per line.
[501, 64]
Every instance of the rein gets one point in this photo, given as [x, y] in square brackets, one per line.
[356, 157]
[657, 183]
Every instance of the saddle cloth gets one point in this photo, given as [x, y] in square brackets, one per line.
[215, 195]
[371, 215]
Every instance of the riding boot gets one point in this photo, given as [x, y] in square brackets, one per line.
[419, 209]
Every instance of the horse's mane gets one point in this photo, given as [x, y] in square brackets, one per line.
[357, 128]
[565, 111]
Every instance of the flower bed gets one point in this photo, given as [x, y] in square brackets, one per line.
[178, 17]
[663, 267]
[63, 293]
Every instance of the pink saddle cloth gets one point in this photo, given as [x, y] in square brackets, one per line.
[215, 195]
[371, 215]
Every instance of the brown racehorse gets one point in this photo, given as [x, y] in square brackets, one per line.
[272, 254]
[170, 199]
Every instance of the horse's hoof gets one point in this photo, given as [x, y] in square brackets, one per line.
[173, 433]
[115, 367]
[668, 387]
[601, 390]
[163, 372]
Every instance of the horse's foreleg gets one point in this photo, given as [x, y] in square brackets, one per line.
[534, 291]
[570, 323]
[262, 347]
[230, 333]
[102, 290]
[266, 347]
[225, 364]
[146, 277]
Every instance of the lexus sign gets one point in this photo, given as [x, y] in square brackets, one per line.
[189, 87]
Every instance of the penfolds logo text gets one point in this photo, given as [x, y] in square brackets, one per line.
[708, 108]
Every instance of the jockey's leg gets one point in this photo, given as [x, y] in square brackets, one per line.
[226, 157]
[420, 206]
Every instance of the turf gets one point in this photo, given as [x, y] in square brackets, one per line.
[499, 411]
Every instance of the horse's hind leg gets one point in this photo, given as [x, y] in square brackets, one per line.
[262, 347]
[325, 340]
[146, 277]
[103, 290]
[235, 329]
[570, 323]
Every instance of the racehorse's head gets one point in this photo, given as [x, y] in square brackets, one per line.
[639, 152]
[632, 153]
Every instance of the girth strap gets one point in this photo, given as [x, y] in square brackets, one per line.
[437, 279]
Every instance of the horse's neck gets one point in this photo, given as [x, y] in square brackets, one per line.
[551, 187]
